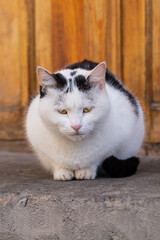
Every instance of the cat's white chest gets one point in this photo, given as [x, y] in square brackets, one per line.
[75, 155]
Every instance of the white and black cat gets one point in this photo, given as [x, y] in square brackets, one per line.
[83, 120]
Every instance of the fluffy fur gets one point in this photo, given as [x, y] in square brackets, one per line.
[75, 144]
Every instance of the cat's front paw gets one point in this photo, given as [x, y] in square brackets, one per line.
[86, 173]
[63, 174]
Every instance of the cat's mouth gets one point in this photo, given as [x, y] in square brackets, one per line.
[77, 134]
[76, 137]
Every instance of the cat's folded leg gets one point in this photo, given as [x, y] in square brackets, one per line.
[86, 173]
[63, 174]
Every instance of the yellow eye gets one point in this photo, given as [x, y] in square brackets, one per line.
[64, 111]
[86, 110]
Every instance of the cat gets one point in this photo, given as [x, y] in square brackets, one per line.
[85, 122]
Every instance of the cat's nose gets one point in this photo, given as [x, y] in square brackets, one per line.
[76, 127]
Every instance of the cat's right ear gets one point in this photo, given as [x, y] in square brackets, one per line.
[97, 75]
[45, 78]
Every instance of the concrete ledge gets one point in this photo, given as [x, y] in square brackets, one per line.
[33, 206]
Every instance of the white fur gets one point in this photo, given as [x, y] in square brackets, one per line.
[110, 128]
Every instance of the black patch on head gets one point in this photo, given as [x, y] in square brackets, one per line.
[82, 83]
[73, 73]
[110, 78]
[116, 168]
[85, 64]
[60, 80]
[42, 92]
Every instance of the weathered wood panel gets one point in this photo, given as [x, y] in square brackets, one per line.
[155, 11]
[13, 67]
[95, 29]
[153, 68]
[59, 33]
[43, 33]
[102, 32]
[134, 52]
[88, 29]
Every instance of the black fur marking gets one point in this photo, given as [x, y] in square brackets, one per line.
[82, 83]
[73, 73]
[113, 81]
[115, 168]
[67, 90]
[42, 92]
[60, 80]
[85, 64]
[110, 78]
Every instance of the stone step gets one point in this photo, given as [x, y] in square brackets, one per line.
[35, 207]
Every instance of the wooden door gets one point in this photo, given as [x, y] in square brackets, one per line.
[51, 33]
[13, 68]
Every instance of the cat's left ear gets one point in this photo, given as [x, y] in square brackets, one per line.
[45, 78]
[97, 76]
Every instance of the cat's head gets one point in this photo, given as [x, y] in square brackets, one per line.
[73, 102]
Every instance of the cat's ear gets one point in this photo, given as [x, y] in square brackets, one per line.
[45, 78]
[97, 76]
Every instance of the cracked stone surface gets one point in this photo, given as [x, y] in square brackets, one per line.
[34, 206]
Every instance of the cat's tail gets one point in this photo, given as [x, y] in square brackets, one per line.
[115, 168]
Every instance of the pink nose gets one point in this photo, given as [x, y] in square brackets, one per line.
[76, 127]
